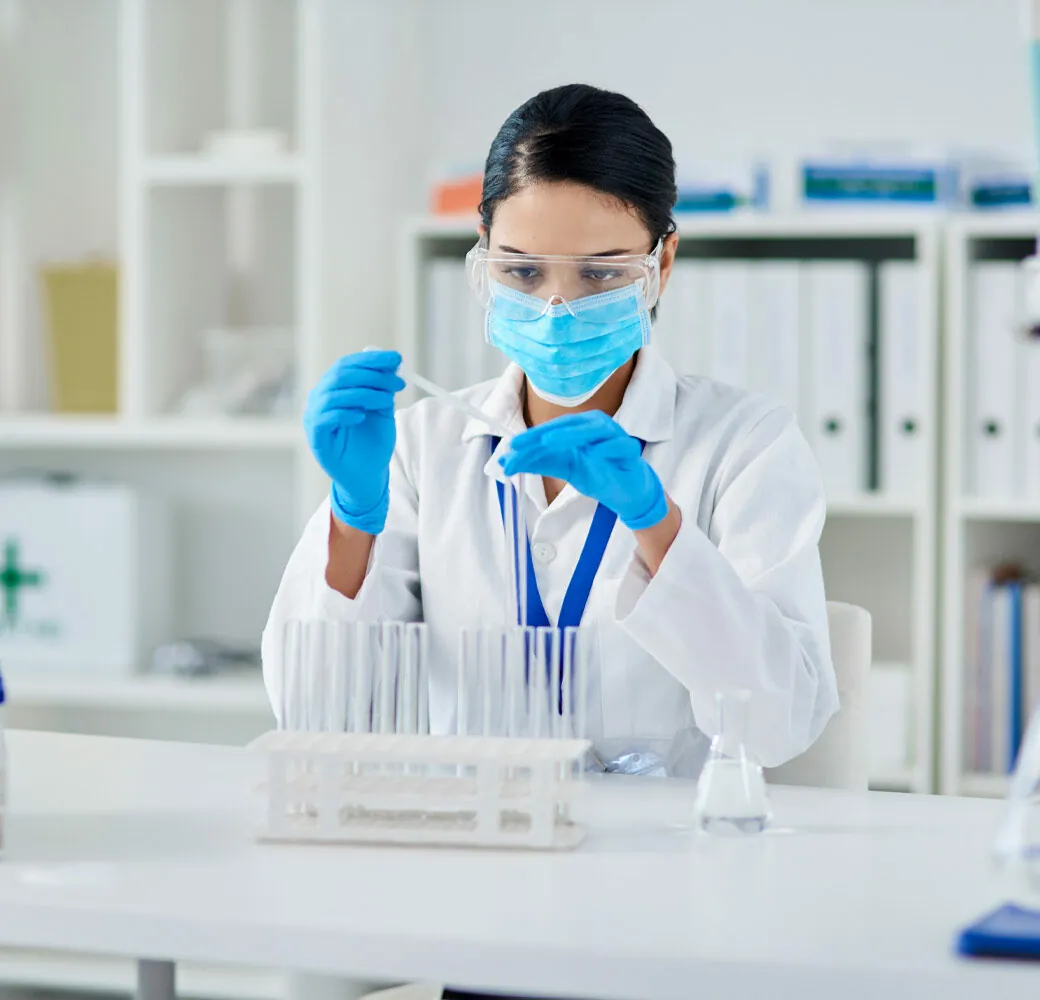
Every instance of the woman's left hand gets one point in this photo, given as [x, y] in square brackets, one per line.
[598, 458]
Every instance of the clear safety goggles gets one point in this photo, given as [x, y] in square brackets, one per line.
[561, 280]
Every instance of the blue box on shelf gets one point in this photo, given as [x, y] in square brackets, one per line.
[868, 182]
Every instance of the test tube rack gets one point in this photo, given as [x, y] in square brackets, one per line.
[473, 791]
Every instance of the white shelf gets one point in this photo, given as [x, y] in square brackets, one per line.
[999, 510]
[993, 786]
[237, 692]
[85, 973]
[900, 779]
[868, 505]
[816, 222]
[45, 431]
[206, 170]
[1013, 224]
[813, 223]
[881, 546]
[442, 225]
[977, 531]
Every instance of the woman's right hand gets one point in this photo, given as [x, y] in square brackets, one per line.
[349, 422]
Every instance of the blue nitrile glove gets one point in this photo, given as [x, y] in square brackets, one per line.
[595, 455]
[349, 422]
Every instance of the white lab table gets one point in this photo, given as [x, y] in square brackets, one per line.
[145, 850]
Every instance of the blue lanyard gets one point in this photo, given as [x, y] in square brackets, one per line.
[577, 595]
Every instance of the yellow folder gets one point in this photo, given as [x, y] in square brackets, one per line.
[82, 309]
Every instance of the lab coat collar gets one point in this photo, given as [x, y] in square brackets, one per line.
[647, 411]
[502, 406]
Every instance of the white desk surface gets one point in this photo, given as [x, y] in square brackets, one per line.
[145, 850]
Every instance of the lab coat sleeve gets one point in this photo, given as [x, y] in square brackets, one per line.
[391, 589]
[743, 606]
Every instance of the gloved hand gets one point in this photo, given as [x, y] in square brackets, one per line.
[349, 422]
[594, 454]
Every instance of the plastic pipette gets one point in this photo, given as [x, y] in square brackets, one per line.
[432, 389]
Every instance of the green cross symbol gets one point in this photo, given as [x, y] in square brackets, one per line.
[13, 578]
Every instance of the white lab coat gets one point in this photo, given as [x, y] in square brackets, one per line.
[738, 601]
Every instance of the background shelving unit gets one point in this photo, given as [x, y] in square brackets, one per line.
[978, 531]
[47, 431]
[112, 163]
[879, 547]
[108, 162]
[186, 171]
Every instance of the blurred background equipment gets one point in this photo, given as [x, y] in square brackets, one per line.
[203, 657]
[457, 195]
[707, 186]
[84, 577]
[244, 372]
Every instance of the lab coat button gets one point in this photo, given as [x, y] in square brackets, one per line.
[543, 552]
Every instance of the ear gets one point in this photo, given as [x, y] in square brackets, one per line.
[668, 248]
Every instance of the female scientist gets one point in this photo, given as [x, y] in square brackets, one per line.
[698, 506]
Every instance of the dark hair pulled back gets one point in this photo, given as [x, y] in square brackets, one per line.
[588, 136]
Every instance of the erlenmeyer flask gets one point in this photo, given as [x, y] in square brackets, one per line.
[731, 791]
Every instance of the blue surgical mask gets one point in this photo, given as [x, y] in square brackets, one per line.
[568, 350]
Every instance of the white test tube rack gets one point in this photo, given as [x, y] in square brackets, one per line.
[473, 791]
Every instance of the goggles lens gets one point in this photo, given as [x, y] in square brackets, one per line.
[560, 280]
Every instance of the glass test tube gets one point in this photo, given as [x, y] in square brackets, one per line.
[516, 544]
[522, 545]
[288, 713]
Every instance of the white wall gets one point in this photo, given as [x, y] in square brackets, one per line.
[373, 98]
[65, 148]
[414, 86]
[411, 85]
[737, 77]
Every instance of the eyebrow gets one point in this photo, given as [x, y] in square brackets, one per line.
[602, 253]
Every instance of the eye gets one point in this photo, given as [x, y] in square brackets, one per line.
[521, 272]
[600, 275]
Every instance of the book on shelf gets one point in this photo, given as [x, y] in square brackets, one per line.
[1002, 667]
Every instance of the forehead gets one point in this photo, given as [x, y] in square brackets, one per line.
[565, 218]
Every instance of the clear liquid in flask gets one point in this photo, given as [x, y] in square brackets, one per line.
[731, 790]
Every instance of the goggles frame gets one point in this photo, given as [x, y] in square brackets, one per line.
[646, 270]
